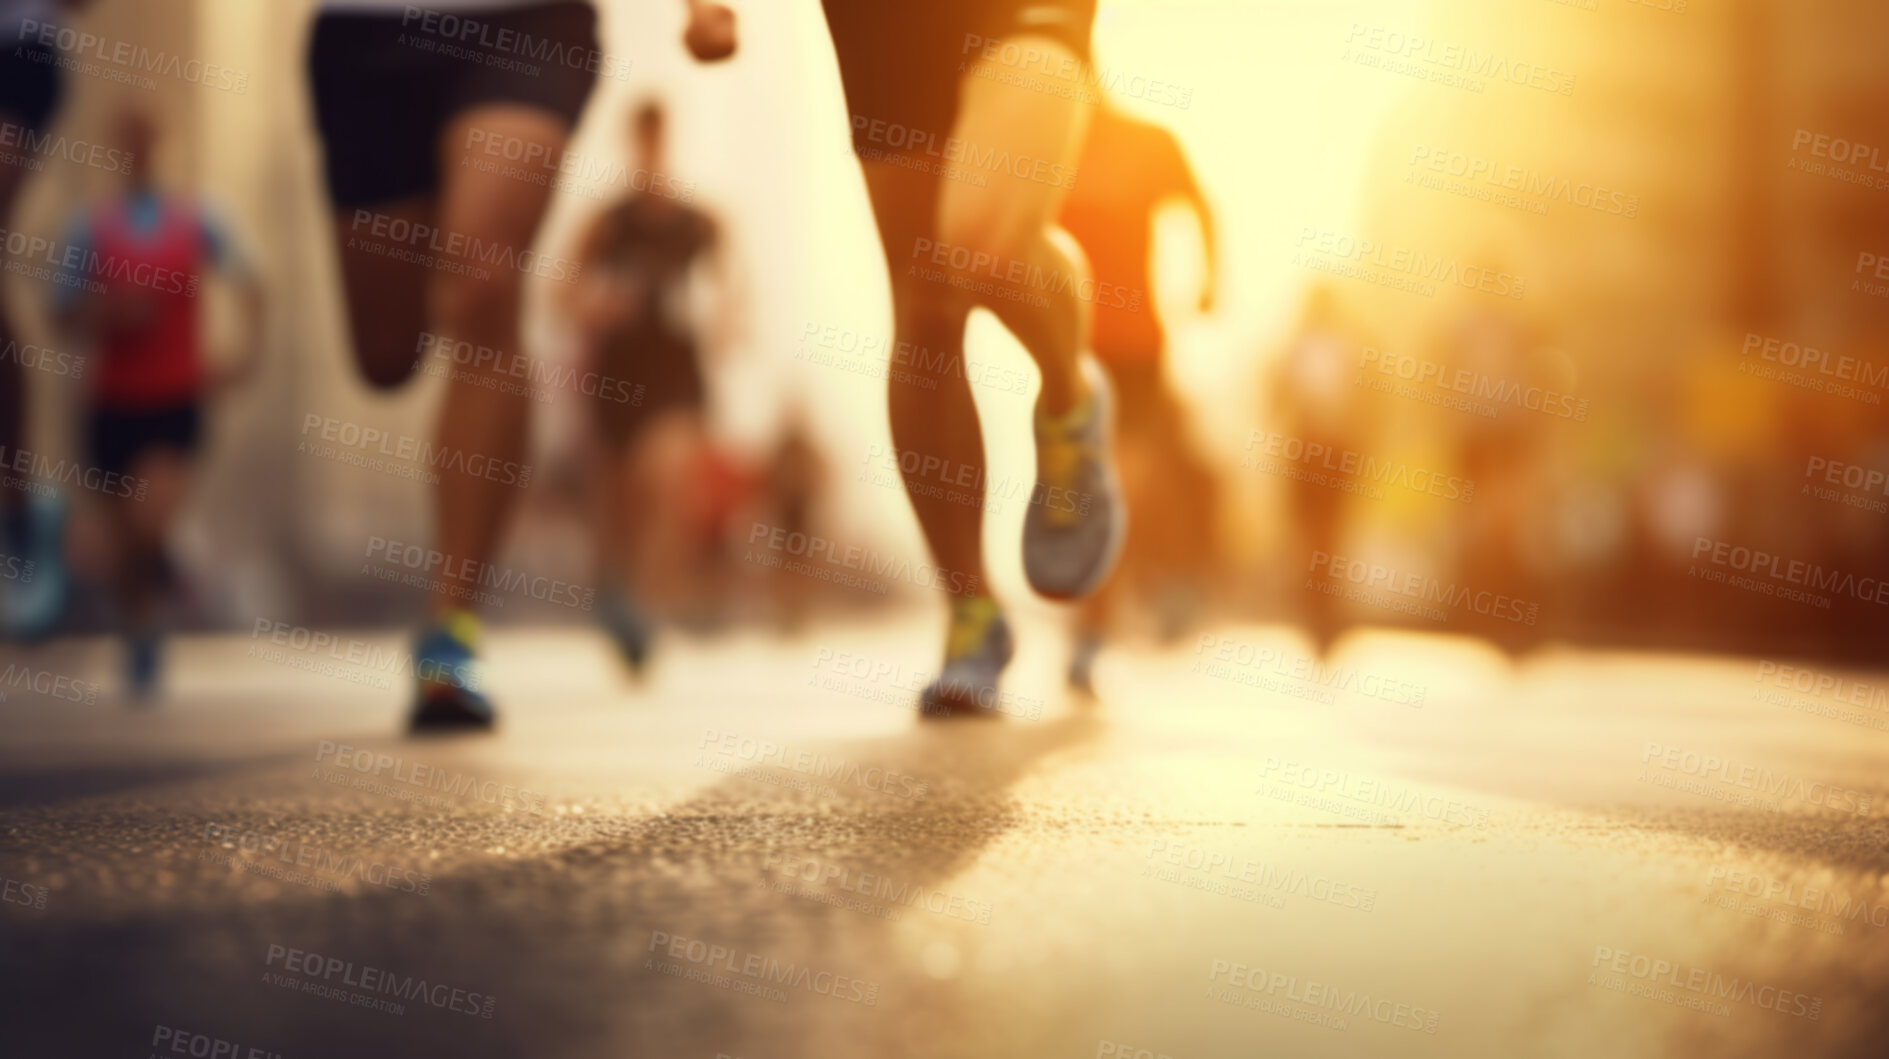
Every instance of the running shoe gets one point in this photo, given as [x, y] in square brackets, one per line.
[33, 597]
[1076, 522]
[144, 649]
[977, 649]
[1082, 664]
[629, 628]
[446, 667]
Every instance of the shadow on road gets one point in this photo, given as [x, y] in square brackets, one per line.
[568, 942]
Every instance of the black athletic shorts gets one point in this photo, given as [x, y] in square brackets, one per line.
[117, 437]
[901, 60]
[30, 85]
[386, 86]
[666, 374]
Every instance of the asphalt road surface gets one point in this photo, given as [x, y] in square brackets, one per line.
[760, 852]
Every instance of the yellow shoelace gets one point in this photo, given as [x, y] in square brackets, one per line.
[1060, 453]
[970, 619]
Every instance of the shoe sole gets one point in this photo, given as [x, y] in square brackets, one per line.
[942, 708]
[952, 702]
[442, 711]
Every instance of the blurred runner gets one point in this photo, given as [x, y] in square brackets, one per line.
[632, 305]
[1316, 403]
[403, 106]
[794, 484]
[1128, 170]
[927, 81]
[31, 520]
[147, 394]
[1501, 538]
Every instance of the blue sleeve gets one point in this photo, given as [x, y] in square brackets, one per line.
[72, 276]
[218, 248]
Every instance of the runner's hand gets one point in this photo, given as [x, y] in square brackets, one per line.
[711, 33]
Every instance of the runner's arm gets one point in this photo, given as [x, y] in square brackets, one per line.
[728, 316]
[235, 267]
[74, 308]
[1209, 244]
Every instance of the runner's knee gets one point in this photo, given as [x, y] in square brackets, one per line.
[479, 309]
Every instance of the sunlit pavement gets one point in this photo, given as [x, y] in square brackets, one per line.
[760, 852]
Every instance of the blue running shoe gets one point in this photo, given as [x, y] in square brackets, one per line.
[1077, 522]
[144, 651]
[629, 628]
[451, 682]
[1082, 664]
[977, 649]
[34, 595]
